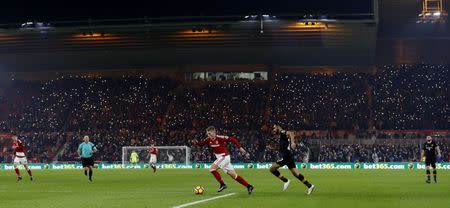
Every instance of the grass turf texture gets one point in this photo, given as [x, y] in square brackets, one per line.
[168, 188]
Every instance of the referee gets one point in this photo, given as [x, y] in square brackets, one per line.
[85, 151]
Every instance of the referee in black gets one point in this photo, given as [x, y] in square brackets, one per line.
[286, 145]
[429, 150]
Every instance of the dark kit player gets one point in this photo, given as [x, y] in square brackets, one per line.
[429, 150]
[286, 145]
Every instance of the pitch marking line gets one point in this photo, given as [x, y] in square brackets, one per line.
[204, 200]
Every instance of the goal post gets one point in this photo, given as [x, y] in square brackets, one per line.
[166, 154]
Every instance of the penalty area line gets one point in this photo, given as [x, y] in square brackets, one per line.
[204, 200]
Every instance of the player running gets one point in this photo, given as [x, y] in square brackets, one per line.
[20, 158]
[223, 161]
[152, 152]
[286, 145]
[429, 150]
[85, 151]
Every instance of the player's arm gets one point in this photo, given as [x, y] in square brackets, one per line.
[94, 149]
[79, 151]
[200, 143]
[236, 143]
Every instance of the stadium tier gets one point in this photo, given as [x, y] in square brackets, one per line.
[130, 110]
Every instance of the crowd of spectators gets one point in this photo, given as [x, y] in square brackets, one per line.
[52, 116]
[229, 105]
[320, 101]
[412, 97]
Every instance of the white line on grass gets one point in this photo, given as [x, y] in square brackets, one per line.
[108, 192]
[204, 200]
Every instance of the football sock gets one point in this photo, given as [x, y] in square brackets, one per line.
[428, 174]
[17, 171]
[435, 174]
[278, 175]
[217, 176]
[303, 180]
[29, 172]
[85, 172]
[241, 181]
[90, 174]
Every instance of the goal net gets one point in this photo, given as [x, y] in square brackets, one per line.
[166, 154]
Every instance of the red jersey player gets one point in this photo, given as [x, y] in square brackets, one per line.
[20, 158]
[223, 161]
[152, 152]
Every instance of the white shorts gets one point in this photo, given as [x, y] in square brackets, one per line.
[20, 160]
[224, 163]
[152, 159]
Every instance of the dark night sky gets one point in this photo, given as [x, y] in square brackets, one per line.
[19, 10]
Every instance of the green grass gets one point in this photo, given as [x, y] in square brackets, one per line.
[168, 188]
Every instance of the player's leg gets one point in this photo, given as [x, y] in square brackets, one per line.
[90, 173]
[16, 168]
[25, 165]
[301, 177]
[153, 163]
[433, 165]
[274, 170]
[226, 166]
[428, 167]
[232, 173]
[213, 169]
[90, 165]
[85, 166]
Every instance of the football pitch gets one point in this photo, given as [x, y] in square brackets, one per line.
[171, 188]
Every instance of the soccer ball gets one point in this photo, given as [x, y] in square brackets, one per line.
[199, 190]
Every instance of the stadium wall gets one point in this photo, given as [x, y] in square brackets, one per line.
[283, 43]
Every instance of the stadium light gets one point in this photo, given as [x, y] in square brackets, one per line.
[432, 12]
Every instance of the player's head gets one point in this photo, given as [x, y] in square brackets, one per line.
[14, 138]
[152, 142]
[429, 139]
[86, 138]
[276, 129]
[211, 132]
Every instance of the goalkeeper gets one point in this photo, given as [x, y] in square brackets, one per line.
[134, 158]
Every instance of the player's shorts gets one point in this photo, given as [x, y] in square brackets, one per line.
[430, 162]
[152, 159]
[224, 163]
[20, 160]
[288, 161]
[86, 162]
